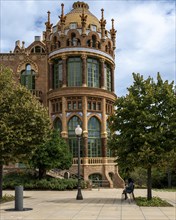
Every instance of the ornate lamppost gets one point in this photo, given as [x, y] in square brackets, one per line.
[78, 132]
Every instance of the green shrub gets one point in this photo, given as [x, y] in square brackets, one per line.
[29, 182]
[155, 201]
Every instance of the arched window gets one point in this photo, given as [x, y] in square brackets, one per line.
[107, 73]
[78, 42]
[73, 143]
[88, 43]
[93, 75]
[57, 79]
[109, 46]
[95, 177]
[57, 124]
[37, 49]
[55, 42]
[74, 74]
[94, 40]
[94, 138]
[73, 39]
[28, 77]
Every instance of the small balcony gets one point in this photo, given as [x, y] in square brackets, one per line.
[95, 160]
[37, 94]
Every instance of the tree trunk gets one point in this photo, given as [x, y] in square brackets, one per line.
[169, 178]
[42, 173]
[149, 183]
[1, 176]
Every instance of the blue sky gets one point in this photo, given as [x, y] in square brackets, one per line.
[145, 43]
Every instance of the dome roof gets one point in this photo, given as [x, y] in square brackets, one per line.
[74, 15]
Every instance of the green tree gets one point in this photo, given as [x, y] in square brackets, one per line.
[53, 154]
[144, 125]
[24, 122]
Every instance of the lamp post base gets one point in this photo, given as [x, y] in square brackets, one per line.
[79, 195]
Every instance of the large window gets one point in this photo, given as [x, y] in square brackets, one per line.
[74, 71]
[28, 77]
[94, 138]
[56, 106]
[57, 74]
[94, 104]
[74, 103]
[37, 49]
[73, 142]
[107, 72]
[93, 76]
[57, 125]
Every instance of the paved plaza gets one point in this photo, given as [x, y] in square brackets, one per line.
[103, 204]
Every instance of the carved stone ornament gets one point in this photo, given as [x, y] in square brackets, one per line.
[23, 64]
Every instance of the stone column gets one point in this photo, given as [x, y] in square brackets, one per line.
[64, 71]
[112, 78]
[64, 132]
[85, 129]
[103, 131]
[84, 70]
[102, 74]
[51, 73]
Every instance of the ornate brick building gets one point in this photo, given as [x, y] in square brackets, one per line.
[71, 71]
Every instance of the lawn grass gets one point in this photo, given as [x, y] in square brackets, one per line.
[7, 198]
[154, 202]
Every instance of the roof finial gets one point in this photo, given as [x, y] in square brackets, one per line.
[113, 34]
[103, 24]
[102, 14]
[62, 17]
[62, 20]
[48, 24]
[62, 5]
[49, 16]
[112, 23]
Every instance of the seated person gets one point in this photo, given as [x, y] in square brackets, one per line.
[129, 188]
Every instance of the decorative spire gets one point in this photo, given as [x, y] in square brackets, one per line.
[102, 13]
[113, 34]
[102, 20]
[103, 24]
[112, 23]
[62, 20]
[83, 22]
[48, 24]
[49, 17]
[62, 17]
[62, 5]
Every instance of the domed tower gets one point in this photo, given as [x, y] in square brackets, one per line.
[81, 87]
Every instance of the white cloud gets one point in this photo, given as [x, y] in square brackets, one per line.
[145, 32]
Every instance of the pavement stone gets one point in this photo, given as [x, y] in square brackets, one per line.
[103, 204]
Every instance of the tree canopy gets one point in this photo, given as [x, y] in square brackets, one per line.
[144, 125]
[24, 122]
[53, 154]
